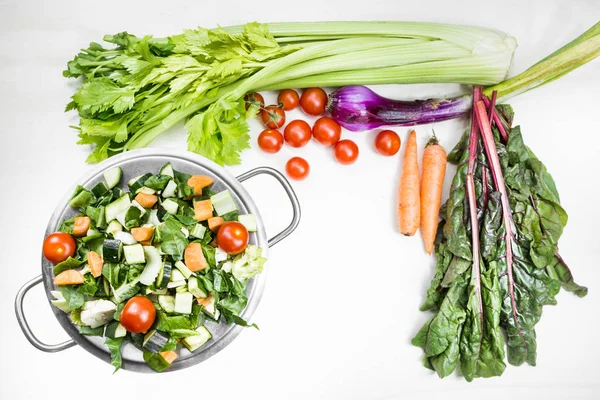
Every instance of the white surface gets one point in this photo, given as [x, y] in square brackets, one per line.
[342, 299]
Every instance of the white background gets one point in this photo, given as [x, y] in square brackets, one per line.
[342, 298]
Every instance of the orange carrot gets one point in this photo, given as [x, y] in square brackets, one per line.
[194, 257]
[432, 182]
[203, 210]
[69, 277]
[169, 356]
[81, 226]
[146, 200]
[408, 193]
[96, 263]
[142, 234]
[215, 223]
[199, 182]
[204, 301]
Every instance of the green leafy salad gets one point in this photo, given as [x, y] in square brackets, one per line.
[150, 265]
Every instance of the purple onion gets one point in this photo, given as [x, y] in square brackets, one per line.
[358, 108]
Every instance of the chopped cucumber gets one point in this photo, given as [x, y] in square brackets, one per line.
[154, 341]
[167, 303]
[164, 276]
[153, 218]
[124, 237]
[185, 271]
[167, 169]
[249, 221]
[82, 199]
[223, 202]
[153, 265]
[198, 231]
[138, 182]
[194, 288]
[176, 284]
[113, 227]
[111, 250]
[183, 303]
[117, 207]
[193, 343]
[181, 289]
[146, 190]
[112, 177]
[170, 189]
[176, 275]
[134, 254]
[170, 206]
[100, 189]
[139, 207]
[115, 330]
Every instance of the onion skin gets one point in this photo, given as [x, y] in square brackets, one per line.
[358, 108]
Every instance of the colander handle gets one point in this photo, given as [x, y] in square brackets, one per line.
[288, 190]
[48, 348]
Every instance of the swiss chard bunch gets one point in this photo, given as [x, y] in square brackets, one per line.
[497, 252]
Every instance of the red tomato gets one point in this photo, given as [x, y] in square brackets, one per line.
[346, 151]
[297, 133]
[138, 314]
[313, 101]
[254, 98]
[387, 143]
[326, 131]
[273, 116]
[297, 168]
[270, 140]
[232, 237]
[288, 99]
[59, 246]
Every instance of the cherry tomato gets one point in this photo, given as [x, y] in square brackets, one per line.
[232, 237]
[138, 314]
[254, 98]
[270, 140]
[346, 151]
[297, 133]
[288, 99]
[313, 101]
[387, 143]
[59, 246]
[326, 131]
[297, 168]
[273, 116]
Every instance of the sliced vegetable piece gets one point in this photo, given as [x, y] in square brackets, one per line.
[167, 303]
[81, 226]
[223, 202]
[249, 221]
[185, 271]
[183, 303]
[146, 200]
[143, 233]
[169, 356]
[202, 210]
[170, 190]
[134, 254]
[153, 265]
[170, 206]
[69, 277]
[113, 227]
[112, 177]
[167, 170]
[194, 257]
[198, 231]
[117, 207]
[199, 182]
[193, 343]
[100, 189]
[96, 263]
[214, 223]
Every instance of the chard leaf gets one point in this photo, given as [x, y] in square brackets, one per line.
[114, 346]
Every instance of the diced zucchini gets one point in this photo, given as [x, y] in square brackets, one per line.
[111, 250]
[249, 221]
[113, 227]
[198, 231]
[167, 303]
[194, 288]
[193, 343]
[119, 206]
[154, 341]
[167, 169]
[124, 237]
[152, 218]
[181, 289]
[138, 182]
[92, 232]
[185, 271]
[170, 190]
[153, 265]
[183, 303]
[176, 276]
[112, 177]
[170, 206]
[223, 202]
[145, 190]
[100, 189]
[139, 207]
[82, 199]
[176, 284]
[134, 254]
[164, 276]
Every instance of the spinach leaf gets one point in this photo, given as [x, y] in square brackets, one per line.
[173, 240]
[184, 190]
[168, 323]
[74, 298]
[197, 316]
[171, 344]
[66, 226]
[133, 217]
[231, 216]
[87, 331]
[96, 214]
[157, 182]
[89, 286]
[114, 345]
[69, 263]
[209, 254]
[232, 318]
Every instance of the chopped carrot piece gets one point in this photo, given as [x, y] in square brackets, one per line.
[215, 223]
[194, 257]
[146, 200]
[96, 263]
[69, 277]
[169, 356]
[142, 234]
[203, 210]
[81, 226]
[204, 301]
[199, 182]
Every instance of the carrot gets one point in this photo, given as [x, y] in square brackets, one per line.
[142, 234]
[204, 301]
[194, 257]
[96, 263]
[169, 356]
[146, 200]
[81, 226]
[199, 182]
[215, 223]
[432, 182]
[408, 193]
[69, 277]
[203, 210]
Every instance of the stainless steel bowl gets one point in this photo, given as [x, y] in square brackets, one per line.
[135, 163]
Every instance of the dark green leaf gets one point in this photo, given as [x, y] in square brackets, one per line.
[157, 182]
[72, 296]
[114, 346]
[69, 263]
